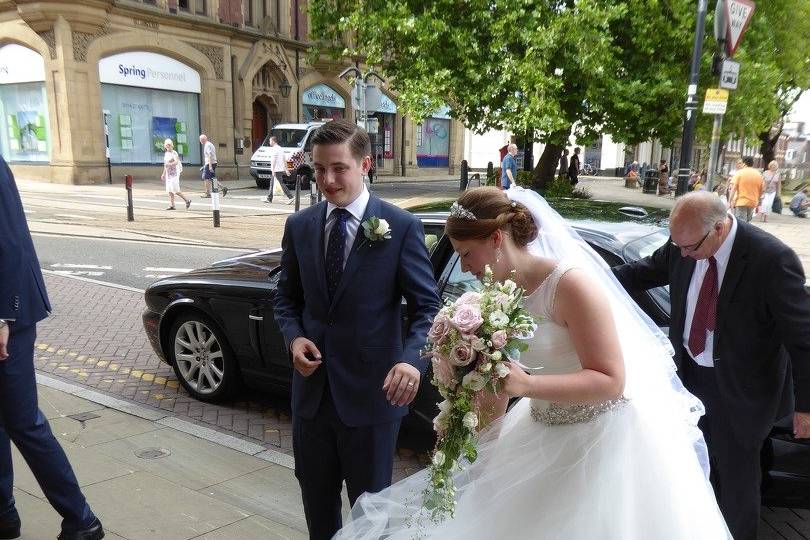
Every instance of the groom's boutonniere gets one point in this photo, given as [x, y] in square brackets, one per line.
[376, 230]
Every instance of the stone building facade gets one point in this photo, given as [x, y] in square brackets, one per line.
[79, 78]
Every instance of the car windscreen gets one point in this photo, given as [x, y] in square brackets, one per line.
[289, 138]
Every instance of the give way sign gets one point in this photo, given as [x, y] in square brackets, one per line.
[738, 15]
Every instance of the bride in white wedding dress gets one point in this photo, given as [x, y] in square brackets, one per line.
[604, 444]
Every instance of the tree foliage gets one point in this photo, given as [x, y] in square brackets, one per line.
[557, 67]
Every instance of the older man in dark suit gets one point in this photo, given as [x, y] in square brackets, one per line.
[24, 302]
[740, 325]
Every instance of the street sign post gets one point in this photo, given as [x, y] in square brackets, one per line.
[738, 15]
[716, 101]
[729, 75]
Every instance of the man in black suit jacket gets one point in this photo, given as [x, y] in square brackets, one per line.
[740, 325]
[23, 303]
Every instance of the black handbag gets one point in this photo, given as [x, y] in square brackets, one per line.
[776, 207]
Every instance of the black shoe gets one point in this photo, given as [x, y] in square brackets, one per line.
[10, 528]
[188, 203]
[170, 208]
[93, 532]
[224, 191]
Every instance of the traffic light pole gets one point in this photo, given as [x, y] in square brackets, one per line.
[690, 117]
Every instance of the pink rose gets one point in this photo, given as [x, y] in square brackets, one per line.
[462, 354]
[439, 329]
[499, 339]
[443, 371]
[469, 297]
[467, 318]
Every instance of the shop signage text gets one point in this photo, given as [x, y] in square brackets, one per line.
[148, 70]
[20, 64]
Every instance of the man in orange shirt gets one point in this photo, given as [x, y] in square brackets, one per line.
[746, 190]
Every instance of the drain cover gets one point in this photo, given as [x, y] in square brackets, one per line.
[152, 453]
[83, 417]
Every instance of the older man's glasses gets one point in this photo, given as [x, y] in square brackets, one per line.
[693, 247]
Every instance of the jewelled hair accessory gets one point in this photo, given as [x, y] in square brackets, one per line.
[456, 210]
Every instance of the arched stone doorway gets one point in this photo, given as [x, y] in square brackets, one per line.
[265, 116]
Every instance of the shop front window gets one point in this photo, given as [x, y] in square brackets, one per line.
[24, 133]
[433, 143]
[142, 118]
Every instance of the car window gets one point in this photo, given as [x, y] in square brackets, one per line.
[433, 233]
[289, 138]
[457, 281]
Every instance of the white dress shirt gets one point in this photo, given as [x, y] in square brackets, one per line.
[706, 358]
[356, 208]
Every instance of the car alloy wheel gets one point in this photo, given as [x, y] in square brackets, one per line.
[201, 358]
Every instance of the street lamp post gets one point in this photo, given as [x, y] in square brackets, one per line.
[690, 117]
[360, 83]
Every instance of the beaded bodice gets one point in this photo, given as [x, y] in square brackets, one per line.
[552, 350]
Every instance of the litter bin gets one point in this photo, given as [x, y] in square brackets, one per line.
[650, 182]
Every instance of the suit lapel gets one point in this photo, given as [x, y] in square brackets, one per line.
[681, 285]
[735, 267]
[355, 255]
[317, 225]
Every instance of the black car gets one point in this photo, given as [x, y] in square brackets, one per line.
[215, 325]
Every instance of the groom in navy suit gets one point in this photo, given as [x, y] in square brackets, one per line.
[23, 303]
[339, 305]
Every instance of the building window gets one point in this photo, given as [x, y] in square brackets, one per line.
[150, 2]
[200, 7]
[248, 12]
[183, 4]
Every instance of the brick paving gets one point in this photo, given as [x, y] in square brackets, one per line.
[95, 339]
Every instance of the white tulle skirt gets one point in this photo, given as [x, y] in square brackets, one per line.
[623, 475]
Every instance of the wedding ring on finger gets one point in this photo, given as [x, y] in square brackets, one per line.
[411, 384]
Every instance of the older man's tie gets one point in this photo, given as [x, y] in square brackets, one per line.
[705, 316]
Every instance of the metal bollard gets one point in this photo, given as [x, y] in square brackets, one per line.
[215, 200]
[313, 194]
[490, 171]
[465, 171]
[128, 185]
[298, 192]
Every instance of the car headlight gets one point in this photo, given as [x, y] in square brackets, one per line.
[253, 163]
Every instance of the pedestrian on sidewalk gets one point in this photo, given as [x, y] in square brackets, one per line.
[209, 170]
[663, 178]
[564, 164]
[172, 167]
[773, 190]
[745, 190]
[24, 302]
[799, 203]
[574, 168]
[509, 167]
[278, 164]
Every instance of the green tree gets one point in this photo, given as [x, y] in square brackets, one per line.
[551, 68]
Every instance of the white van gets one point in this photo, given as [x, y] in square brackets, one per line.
[295, 139]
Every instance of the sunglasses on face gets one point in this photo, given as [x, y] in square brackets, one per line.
[693, 247]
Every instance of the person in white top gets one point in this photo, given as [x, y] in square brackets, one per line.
[279, 167]
[172, 167]
[209, 168]
[773, 187]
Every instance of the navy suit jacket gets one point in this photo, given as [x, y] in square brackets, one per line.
[359, 333]
[763, 324]
[22, 289]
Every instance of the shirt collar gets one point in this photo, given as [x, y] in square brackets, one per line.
[356, 208]
[724, 252]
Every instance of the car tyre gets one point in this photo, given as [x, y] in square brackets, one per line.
[201, 358]
[262, 183]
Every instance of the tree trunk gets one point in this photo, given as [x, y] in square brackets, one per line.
[546, 168]
[767, 147]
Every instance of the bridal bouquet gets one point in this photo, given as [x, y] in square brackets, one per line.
[470, 342]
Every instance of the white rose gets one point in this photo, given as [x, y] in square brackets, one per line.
[474, 381]
[484, 368]
[497, 355]
[470, 420]
[479, 344]
[502, 369]
[509, 286]
[445, 406]
[382, 228]
[438, 458]
[498, 319]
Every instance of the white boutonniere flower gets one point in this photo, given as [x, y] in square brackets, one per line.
[376, 229]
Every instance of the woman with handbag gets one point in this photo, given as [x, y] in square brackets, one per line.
[773, 189]
[172, 167]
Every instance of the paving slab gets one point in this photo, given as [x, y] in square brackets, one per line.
[192, 462]
[255, 527]
[89, 465]
[142, 506]
[272, 492]
[56, 404]
[109, 426]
